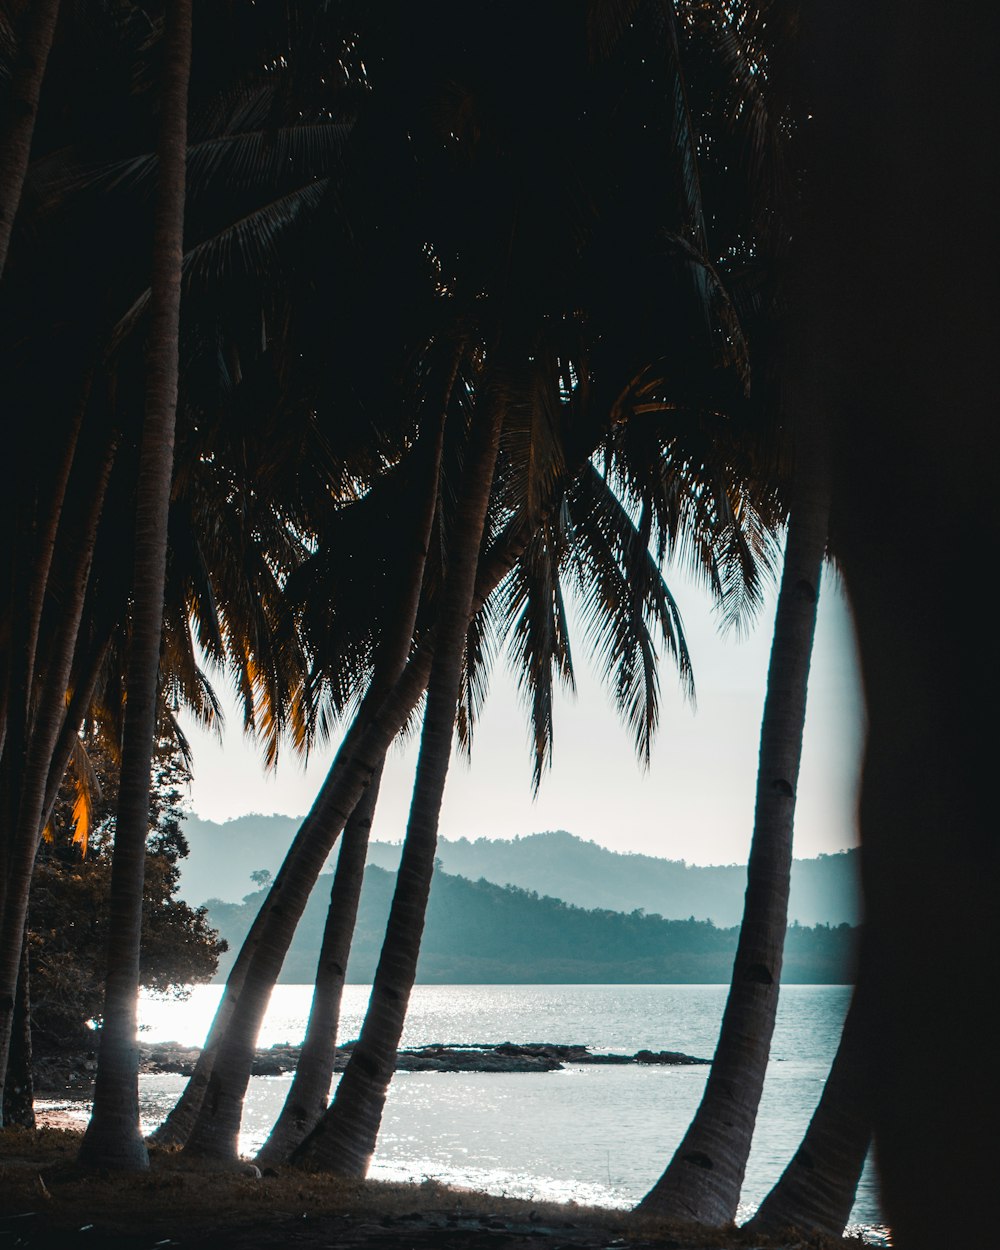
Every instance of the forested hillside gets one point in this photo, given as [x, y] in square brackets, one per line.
[481, 932]
[823, 890]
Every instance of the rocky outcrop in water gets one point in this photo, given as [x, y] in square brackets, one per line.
[77, 1071]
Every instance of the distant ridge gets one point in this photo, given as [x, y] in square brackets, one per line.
[481, 933]
[224, 854]
[823, 891]
[556, 863]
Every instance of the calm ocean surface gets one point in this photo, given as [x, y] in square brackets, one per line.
[589, 1134]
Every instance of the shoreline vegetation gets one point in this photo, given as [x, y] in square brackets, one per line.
[46, 1200]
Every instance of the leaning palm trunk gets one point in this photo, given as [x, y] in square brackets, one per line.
[295, 873]
[701, 1185]
[49, 530]
[359, 755]
[816, 1191]
[113, 1139]
[226, 1058]
[344, 1140]
[309, 1094]
[215, 1129]
[215, 1115]
[310, 1090]
[25, 623]
[34, 43]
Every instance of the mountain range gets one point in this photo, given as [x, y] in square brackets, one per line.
[557, 864]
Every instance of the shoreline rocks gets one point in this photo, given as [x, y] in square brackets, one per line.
[76, 1071]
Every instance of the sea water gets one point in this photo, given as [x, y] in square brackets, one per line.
[589, 1134]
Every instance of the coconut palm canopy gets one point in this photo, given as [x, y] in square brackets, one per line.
[380, 238]
[342, 343]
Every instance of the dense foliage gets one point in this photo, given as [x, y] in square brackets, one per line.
[68, 917]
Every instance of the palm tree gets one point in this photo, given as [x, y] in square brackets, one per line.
[31, 41]
[28, 752]
[815, 1193]
[309, 1093]
[702, 1183]
[214, 1123]
[67, 170]
[467, 263]
[747, 121]
[239, 1015]
[113, 1138]
[344, 1140]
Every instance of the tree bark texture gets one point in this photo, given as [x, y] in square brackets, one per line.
[34, 40]
[344, 1140]
[702, 1183]
[815, 1193]
[113, 1139]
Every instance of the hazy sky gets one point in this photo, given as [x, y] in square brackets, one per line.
[694, 803]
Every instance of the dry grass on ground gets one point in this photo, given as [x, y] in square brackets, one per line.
[46, 1200]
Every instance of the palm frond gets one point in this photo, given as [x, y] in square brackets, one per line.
[248, 247]
[87, 790]
[607, 22]
[624, 599]
[252, 159]
[533, 619]
[481, 646]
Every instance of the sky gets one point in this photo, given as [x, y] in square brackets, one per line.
[695, 802]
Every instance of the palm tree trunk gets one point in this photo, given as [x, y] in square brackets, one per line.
[47, 544]
[33, 44]
[36, 560]
[229, 1046]
[215, 1124]
[113, 1139]
[309, 1094]
[816, 1191]
[368, 739]
[344, 1140]
[310, 1090]
[701, 1184]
